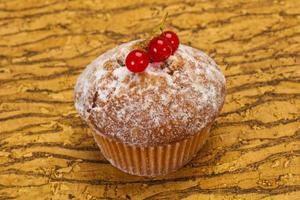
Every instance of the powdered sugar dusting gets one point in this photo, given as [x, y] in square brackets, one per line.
[168, 102]
[121, 73]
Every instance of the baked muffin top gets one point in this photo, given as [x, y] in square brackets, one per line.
[168, 102]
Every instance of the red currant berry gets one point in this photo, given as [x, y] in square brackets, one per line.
[159, 49]
[137, 61]
[172, 38]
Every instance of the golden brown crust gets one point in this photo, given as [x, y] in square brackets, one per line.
[168, 102]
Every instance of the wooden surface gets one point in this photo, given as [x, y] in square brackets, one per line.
[47, 152]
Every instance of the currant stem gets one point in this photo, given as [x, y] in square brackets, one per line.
[163, 22]
[161, 26]
[157, 30]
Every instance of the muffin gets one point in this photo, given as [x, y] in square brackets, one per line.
[154, 122]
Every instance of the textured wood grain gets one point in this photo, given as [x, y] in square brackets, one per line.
[47, 152]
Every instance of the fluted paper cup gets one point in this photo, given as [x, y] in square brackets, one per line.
[153, 160]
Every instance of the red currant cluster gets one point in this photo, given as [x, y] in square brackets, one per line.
[159, 49]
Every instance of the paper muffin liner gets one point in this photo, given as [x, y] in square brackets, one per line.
[154, 160]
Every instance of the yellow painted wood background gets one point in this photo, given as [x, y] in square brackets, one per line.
[47, 152]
